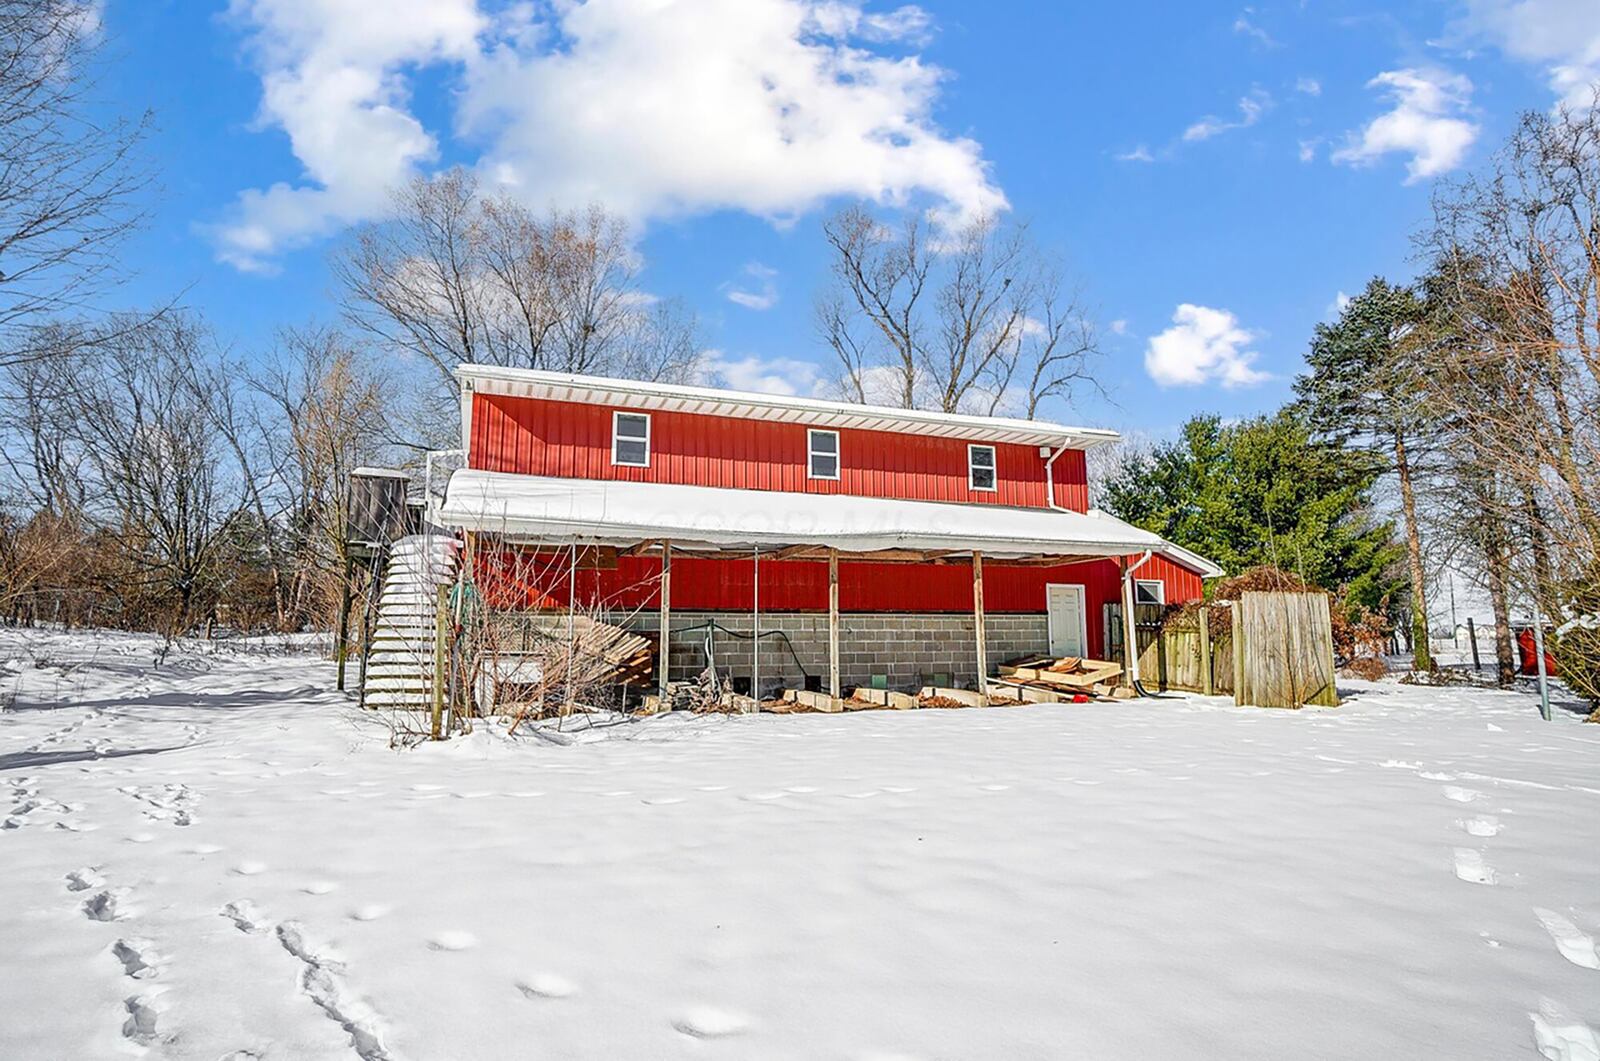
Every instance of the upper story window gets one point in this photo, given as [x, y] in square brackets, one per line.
[630, 439]
[980, 467]
[822, 454]
[1149, 591]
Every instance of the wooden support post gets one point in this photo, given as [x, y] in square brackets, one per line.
[1472, 636]
[1208, 679]
[341, 644]
[1130, 630]
[977, 622]
[1239, 690]
[833, 623]
[441, 618]
[663, 645]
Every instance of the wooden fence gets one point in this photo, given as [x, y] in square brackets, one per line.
[1281, 644]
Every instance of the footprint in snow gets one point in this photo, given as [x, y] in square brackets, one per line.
[1559, 1040]
[137, 958]
[250, 868]
[206, 849]
[705, 1022]
[1459, 794]
[140, 1027]
[81, 880]
[762, 797]
[320, 887]
[453, 941]
[101, 906]
[1483, 825]
[244, 915]
[994, 788]
[546, 985]
[370, 912]
[661, 801]
[1471, 867]
[1575, 945]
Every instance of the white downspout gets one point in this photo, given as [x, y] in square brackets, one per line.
[1130, 632]
[1049, 478]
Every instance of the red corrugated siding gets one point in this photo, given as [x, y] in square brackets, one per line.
[527, 580]
[573, 440]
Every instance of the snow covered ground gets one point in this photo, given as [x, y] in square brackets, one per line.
[219, 858]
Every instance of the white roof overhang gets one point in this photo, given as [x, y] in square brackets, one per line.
[557, 512]
[772, 408]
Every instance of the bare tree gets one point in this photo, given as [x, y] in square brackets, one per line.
[1517, 253]
[459, 276]
[69, 180]
[328, 411]
[971, 321]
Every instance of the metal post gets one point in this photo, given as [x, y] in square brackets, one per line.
[572, 603]
[1472, 638]
[755, 632]
[663, 645]
[977, 622]
[1538, 651]
[833, 623]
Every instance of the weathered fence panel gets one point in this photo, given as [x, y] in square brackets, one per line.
[1284, 645]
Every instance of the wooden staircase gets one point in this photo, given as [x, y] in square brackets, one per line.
[399, 671]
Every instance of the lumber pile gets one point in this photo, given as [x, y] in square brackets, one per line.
[1071, 675]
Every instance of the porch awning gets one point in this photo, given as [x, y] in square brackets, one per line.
[553, 511]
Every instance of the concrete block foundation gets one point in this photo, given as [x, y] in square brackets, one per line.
[908, 649]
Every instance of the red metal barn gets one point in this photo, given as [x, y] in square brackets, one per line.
[862, 543]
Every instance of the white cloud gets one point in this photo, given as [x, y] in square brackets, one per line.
[1138, 154]
[1204, 345]
[1251, 108]
[1563, 36]
[1309, 86]
[1308, 148]
[765, 296]
[1426, 123]
[764, 375]
[1119, 327]
[770, 107]
[331, 80]
[1242, 25]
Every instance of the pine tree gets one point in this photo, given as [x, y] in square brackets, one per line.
[1263, 491]
[1361, 394]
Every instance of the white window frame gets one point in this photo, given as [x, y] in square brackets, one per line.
[813, 453]
[1160, 589]
[616, 421]
[993, 469]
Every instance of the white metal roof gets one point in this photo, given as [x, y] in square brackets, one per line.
[636, 394]
[605, 512]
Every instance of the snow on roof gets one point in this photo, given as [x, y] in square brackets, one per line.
[604, 512]
[711, 401]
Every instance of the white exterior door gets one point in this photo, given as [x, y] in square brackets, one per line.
[1064, 605]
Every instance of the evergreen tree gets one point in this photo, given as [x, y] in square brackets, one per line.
[1263, 491]
[1361, 393]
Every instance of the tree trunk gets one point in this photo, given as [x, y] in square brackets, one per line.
[1504, 655]
[1422, 660]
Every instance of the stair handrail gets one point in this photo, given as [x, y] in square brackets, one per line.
[432, 505]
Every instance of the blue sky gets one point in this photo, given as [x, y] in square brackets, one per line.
[1249, 163]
